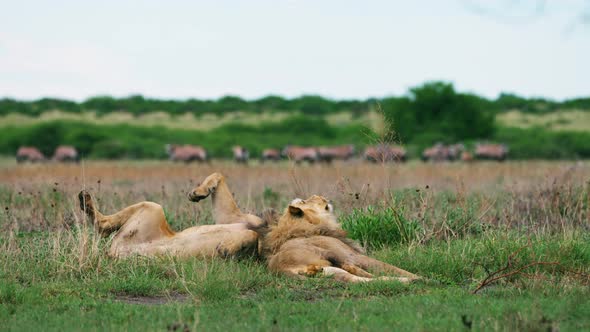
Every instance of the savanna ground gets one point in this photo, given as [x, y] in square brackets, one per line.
[455, 224]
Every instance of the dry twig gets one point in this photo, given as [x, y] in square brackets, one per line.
[510, 270]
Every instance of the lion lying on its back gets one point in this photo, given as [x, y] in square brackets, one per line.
[307, 240]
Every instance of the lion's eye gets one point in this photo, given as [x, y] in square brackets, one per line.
[327, 208]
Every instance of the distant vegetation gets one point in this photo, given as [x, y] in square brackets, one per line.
[435, 112]
[128, 141]
[313, 105]
[574, 120]
[138, 127]
[307, 104]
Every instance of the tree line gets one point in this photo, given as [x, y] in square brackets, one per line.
[427, 114]
[307, 104]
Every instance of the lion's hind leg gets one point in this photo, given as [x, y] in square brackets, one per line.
[111, 223]
[102, 222]
[87, 205]
[105, 224]
[239, 243]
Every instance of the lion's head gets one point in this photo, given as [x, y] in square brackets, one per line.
[302, 218]
[315, 210]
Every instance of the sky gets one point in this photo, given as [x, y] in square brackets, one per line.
[338, 49]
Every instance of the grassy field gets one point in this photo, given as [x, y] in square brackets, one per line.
[567, 120]
[466, 221]
[204, 122]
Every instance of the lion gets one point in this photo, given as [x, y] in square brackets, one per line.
[307, 240]
[142, 228]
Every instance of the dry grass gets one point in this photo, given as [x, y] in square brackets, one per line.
[510, 194]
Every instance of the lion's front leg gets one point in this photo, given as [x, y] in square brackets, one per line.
[324, 270]
[357, 271]
[372, 264]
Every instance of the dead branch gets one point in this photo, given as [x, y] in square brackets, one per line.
[494, 277]
[499, 274]
[509, 270]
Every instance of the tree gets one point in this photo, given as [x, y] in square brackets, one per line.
[314, 105]
[231, 103]
[272, 103]
[434, 111]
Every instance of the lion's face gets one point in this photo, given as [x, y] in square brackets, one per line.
[314, 210]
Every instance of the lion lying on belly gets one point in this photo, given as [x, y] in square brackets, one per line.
[142, 228]
[307, 240]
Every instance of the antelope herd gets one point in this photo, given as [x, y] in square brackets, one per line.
[186, 153]
[380, 153]
[63, 153]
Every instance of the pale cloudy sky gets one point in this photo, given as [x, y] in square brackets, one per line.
[339, 49]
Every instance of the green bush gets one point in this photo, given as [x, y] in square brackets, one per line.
[376, 228]
[543, 144]
[436, 110]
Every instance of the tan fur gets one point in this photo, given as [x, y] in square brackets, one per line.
[225, 209]
[142, 228]
[307, 240]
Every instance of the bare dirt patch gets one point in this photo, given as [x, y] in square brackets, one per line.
[152, 300]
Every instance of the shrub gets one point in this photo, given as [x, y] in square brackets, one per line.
[376, 228]
[543, 144]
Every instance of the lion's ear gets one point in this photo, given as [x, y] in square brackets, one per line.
[295, 211]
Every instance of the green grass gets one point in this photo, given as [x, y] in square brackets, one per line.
[55, 275]
[64, 284]
[440, 310]
[376, 228]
